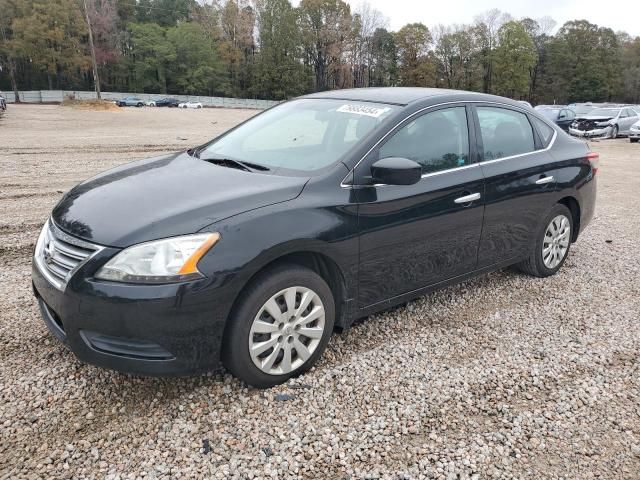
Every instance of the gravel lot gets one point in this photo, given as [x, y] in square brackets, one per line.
[505, 376]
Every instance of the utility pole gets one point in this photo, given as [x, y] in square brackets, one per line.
[96, 79]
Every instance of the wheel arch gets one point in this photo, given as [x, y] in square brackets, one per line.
[574, 207]
[320, 263]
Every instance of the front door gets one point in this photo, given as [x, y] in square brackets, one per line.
[412, 236]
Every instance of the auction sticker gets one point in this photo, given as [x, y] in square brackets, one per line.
[374, 112]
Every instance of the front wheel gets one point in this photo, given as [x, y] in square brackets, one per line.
[281, 326]
[614, 132]
[552, 244]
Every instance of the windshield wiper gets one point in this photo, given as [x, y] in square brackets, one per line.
[232, 163]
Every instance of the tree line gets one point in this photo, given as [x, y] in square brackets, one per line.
[270, 49]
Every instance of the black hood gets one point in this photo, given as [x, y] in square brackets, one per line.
[165, 196]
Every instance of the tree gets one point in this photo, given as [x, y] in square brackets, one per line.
[583, 63]
[8, 54]
[514, 57]
[151, 57]
[237, 45]
[52, 35]
[383, 63]
[196, 67]
[486, 35]
[416, 67]
[456, 52]
[325, 26]
[279, 72]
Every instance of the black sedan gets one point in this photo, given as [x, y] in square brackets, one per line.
[561, 116]
[251, 249]
[167, 102]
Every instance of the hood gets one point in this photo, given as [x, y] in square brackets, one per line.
[163, 197]
[594, 117]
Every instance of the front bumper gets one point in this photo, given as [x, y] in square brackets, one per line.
[634, 133]
[143, 329]
[596, 133]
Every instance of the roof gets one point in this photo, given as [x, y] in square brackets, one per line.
[395, 95]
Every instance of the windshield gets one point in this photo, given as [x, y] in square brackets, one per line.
[604, 112]
[306, 134]
[582, 109]
[551, 114]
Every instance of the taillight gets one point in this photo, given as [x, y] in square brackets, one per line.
[594, 158]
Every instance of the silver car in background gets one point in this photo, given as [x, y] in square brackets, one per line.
[634, 132]
[607, 122]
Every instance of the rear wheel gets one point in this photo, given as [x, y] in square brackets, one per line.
[552, 244]
[281, 326]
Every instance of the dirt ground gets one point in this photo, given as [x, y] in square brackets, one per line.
[504, 376]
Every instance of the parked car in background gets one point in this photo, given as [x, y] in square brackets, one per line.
[525, 103]
[606, 122]
[561, 116]
[190, 105]
[3, 102]
[249, 250]
[634, 132]
[167, 102]
[150, 103]
[130, 102]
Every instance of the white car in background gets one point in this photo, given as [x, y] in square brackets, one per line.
[150, 103]
[634, 132]
[190, 105]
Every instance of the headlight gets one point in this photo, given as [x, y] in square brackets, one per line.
[161, 261]
[602, 124]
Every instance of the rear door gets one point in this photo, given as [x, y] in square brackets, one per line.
[519, 182]
[628, 117]
[412, 236]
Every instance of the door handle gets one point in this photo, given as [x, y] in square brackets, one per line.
[544, 180]
[468, 198]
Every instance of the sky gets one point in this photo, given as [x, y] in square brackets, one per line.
[619, 15]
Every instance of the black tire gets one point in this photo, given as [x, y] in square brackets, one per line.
[235, 352]
[634, 140]
[139, 105]
[614, 132]
[534, 265]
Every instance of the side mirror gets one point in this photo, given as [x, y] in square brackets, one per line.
[396, 171]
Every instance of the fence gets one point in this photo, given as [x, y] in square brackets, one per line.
[56, 96]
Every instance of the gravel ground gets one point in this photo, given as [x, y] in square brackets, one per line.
[505, 376]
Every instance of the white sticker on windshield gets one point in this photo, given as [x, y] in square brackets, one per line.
[374, 112]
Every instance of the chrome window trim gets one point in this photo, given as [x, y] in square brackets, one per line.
[526, 111]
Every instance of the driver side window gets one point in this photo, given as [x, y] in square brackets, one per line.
[436, 140]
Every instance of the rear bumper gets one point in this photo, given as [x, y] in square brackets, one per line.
[148, 330]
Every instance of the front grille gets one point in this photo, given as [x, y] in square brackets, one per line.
[59, 255]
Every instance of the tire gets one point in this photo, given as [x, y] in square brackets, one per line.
[251, 312]
[535, 265]
[614, 132]
[634, 140]
[139, 105]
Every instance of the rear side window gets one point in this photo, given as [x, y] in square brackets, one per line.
[544, 130]
[504, 132]
[437, 140]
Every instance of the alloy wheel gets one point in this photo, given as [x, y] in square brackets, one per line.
[556, 241]
[287, 330]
